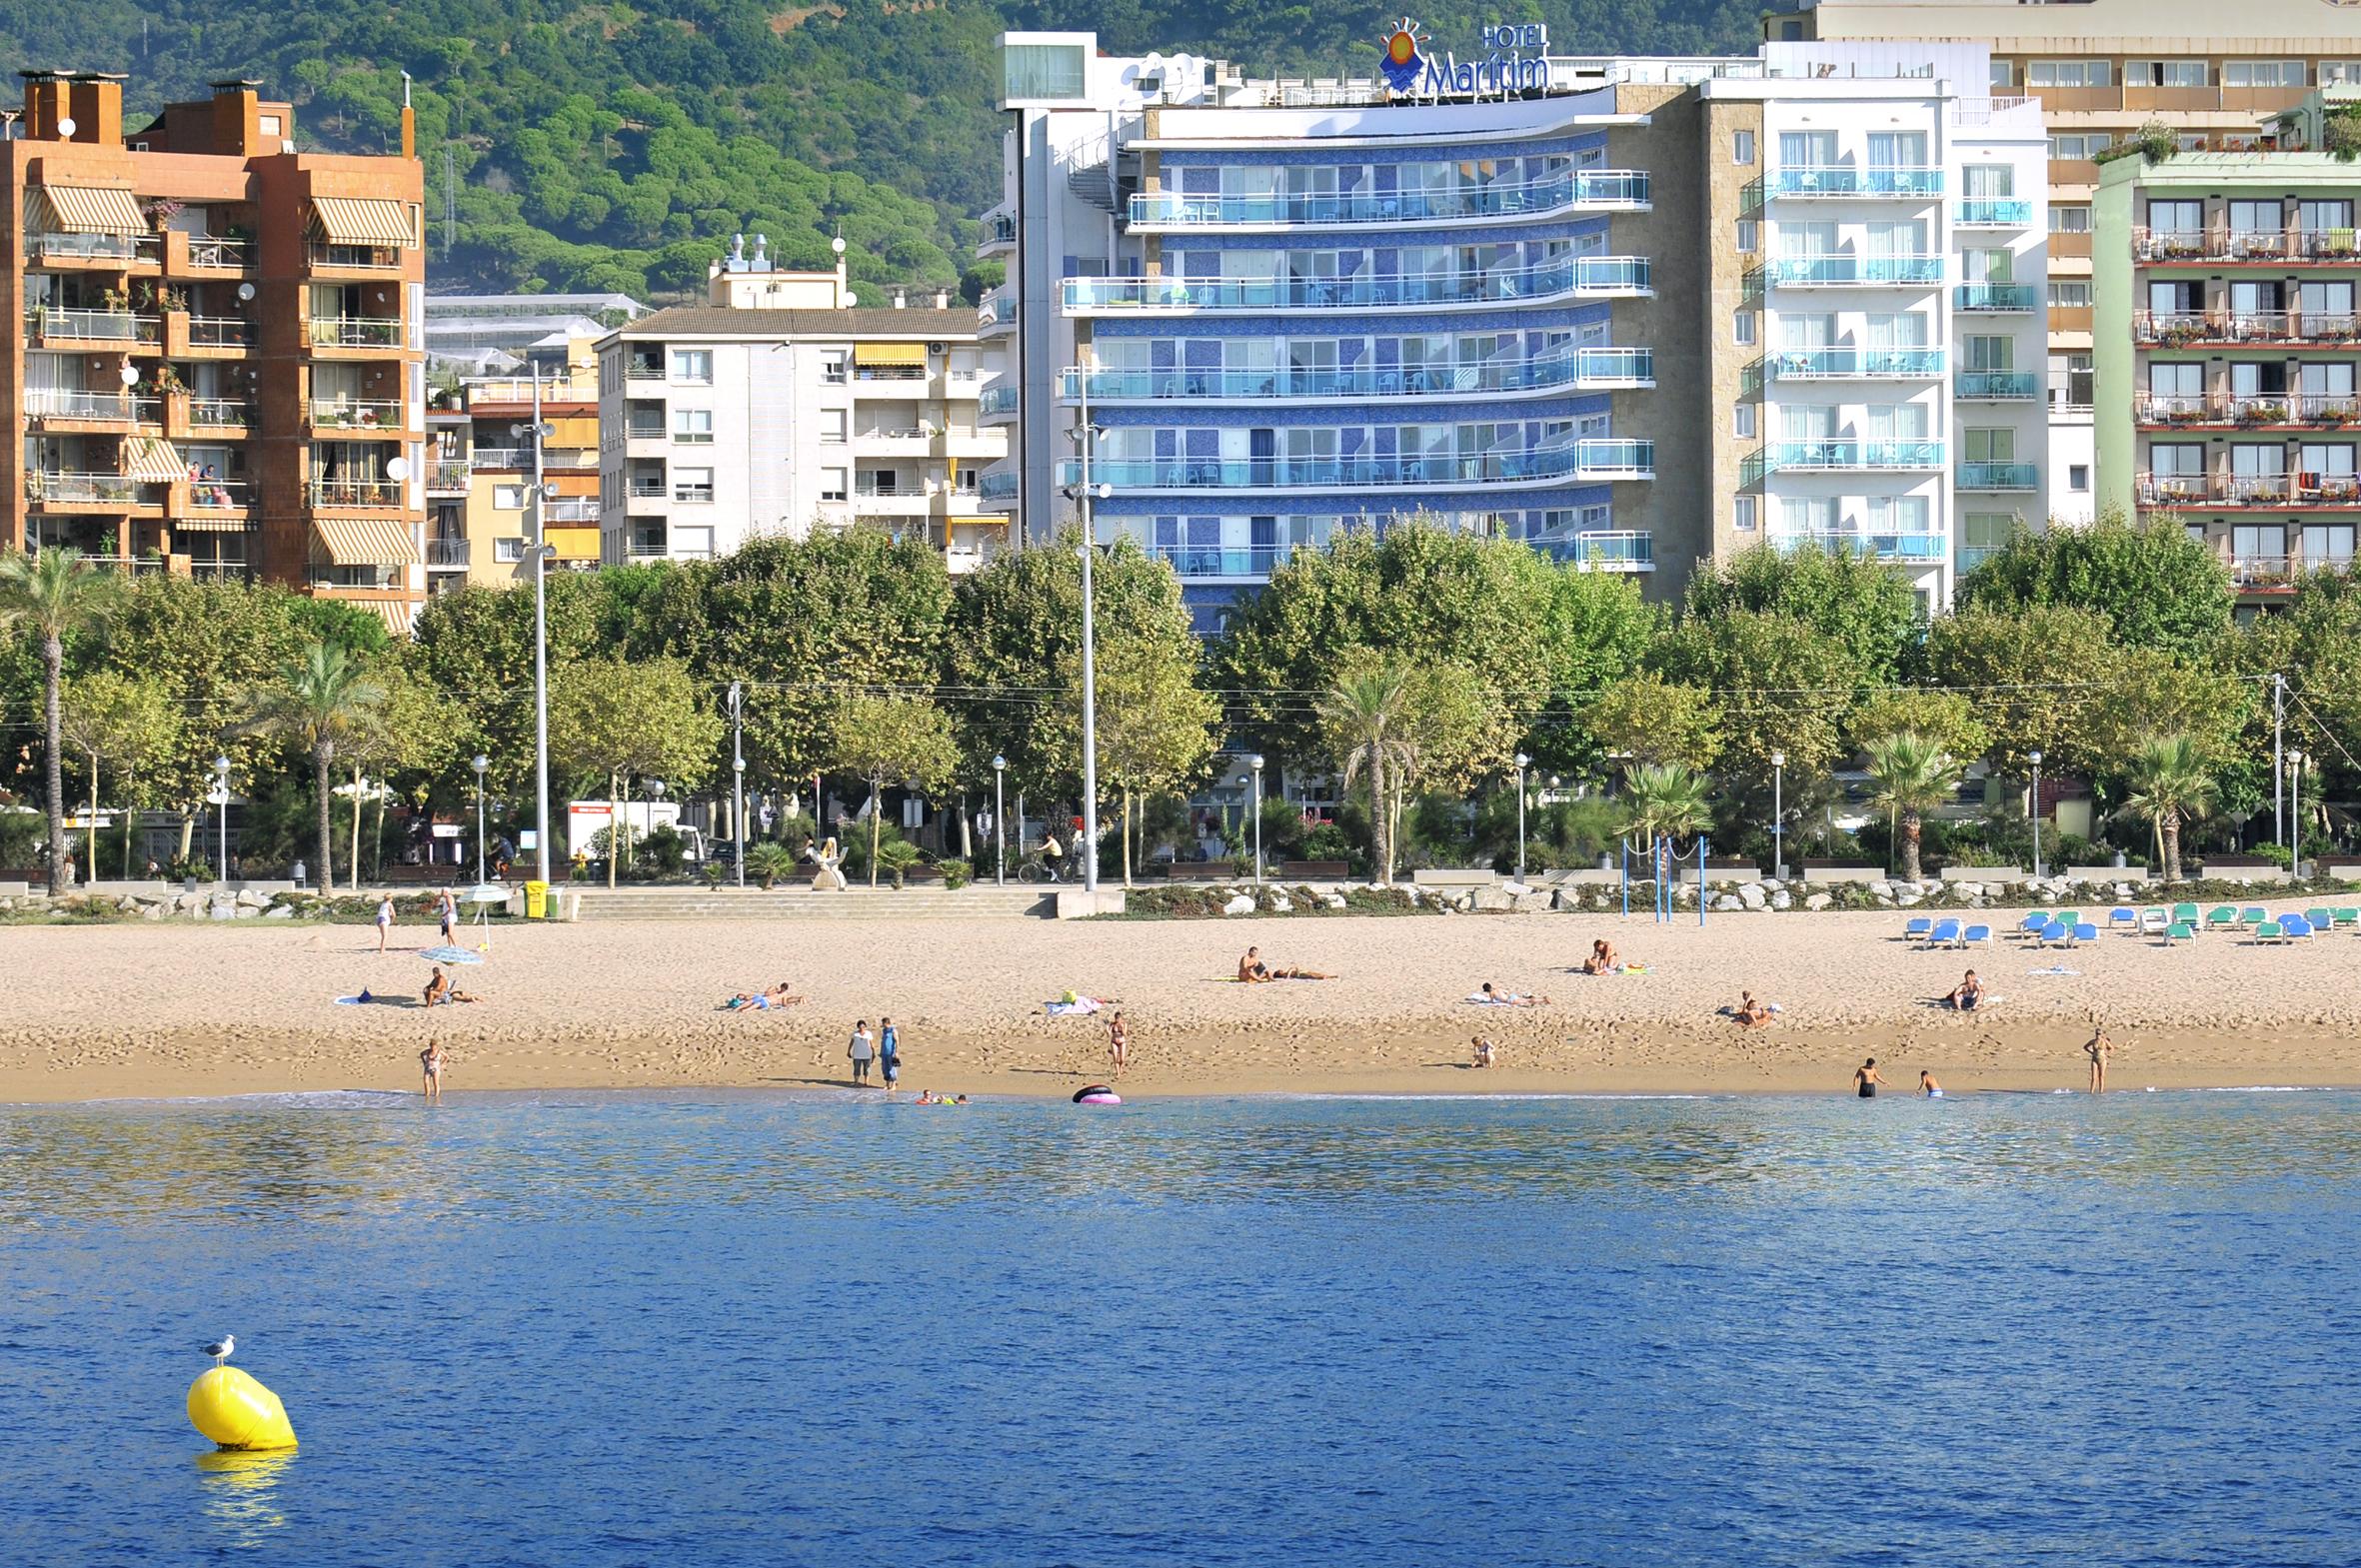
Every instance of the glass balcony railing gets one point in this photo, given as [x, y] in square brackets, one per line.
[1996, 297]
[374, 491]
[1808, 457]
[221, 413]
[51, 323]
[60, 403]
[1581, 366]
[1625, 189]
[1997, 476]
[997, 487]
[1838, 271]
[109, 248]
[356, 332]
[1596, 459]
[1596, 275]
[1606, 550]
[1873, 184]
[1970, 556]
[1248, 560]
[1872, 364]
[1987, 213]
[1903, 545]
[998, 400]
[1997, 385]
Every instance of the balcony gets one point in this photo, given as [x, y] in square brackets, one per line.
[1802, 182]
[47, 325]
[1905, 545]
[220, 414]
[1909, 363]
[1997, 476]
[997, 485]
[356, 332]
[2310, 409]
[1220, 561]
[219, 495]
[1848, 271]
[1599, 276]
[1586, 368]
[2169, 247]
[220, 332]
[208, 253]
[649, 487]
[115, 252]
[113, 491]
[1986, 213]
[1595, 190]
[569, 511]
[1607, 549]
[1997, 298]
[349, 414]
[48, 407]
[327, 256]
[1842, 457]
[2191, 329]
[998, 400]
[447, 555]
[371, 491]
[1996, 386]
[2273, 492]
[997, 311]
[447, 477]
[643, 370]
[500, 458]
[1000, 236]
[1580, 460]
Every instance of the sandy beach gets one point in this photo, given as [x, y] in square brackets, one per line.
[170, 1010]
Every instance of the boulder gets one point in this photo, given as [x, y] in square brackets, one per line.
[1908, 896]
[282, 912]
[1280, 903]
[248, 898]
[1818, 900]
[246, 911]
[1240, 905]
[1726, 904]
[1783, 900]
[1498, 901]
[1751, 896]
[1335, 900]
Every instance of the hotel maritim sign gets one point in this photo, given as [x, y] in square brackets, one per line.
[1515, 60]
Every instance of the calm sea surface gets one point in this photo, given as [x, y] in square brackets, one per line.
[722, 1329]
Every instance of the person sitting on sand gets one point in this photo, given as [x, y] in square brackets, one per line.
[1967, 995]
[1252, 970]
[440, 990]
[1928, 1086]
[1603, 960]
[1483, 1049]
[1751, 1015]
[1501, 998]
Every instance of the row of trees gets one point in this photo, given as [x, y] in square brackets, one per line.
[1414, 666]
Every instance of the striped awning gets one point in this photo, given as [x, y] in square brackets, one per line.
[92, 209]
[155, 462]
[360, 220]
[397, 613]
[210, 525]
[890, 354]
[365, 542]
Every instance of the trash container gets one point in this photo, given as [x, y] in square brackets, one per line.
[537, 900]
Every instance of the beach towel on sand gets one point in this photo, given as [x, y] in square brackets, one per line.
[1082, 1007]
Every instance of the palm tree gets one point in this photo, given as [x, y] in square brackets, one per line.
[1664, 801]
[1912, 776]
[1362, 712]
[324, 696]
[2170, 786]
[57, 594]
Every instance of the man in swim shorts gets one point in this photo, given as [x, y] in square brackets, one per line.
[862, 1049]
[1865, 1080]
[1928, 1086]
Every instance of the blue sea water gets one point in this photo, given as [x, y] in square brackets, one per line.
[765, 1328]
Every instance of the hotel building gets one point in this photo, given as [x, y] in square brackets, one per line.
[1654, 312]
[220, 367]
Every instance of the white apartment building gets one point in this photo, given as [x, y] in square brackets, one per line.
[785, 404]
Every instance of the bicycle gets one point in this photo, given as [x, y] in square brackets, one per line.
[1034, 868]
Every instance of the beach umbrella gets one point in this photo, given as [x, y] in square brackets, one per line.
[451, 955]
[487, 893]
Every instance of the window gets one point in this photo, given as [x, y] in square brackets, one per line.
[831, 368]
[2069, 295]
[1741, 326]
[2078, 477]
[2085, 146]
[270, 125]
[1741, 421]
[1982, 532]
[508, 497]
[1741, 147]
[1990, 446]
[2069, 219]
[833, 484]
[832, 427]
[508, 551]
[2003, 73]
[1807, 513]
[1749, 234]
[692, 485]
[1985, 353]
[2068, 73]
[2263, 73]
[1741, 514]
[2165, 73]
[693, 427]
[1991, 181]
[692, 367]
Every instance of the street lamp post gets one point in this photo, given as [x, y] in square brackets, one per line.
[1255, 767]
[737, 773]
[999, 824]
[221, 774]
[1085, 494]
[480, 764]
[1522, 763]
[1779, 816]
[541, 554]
[2035, 759]
[2295, 813]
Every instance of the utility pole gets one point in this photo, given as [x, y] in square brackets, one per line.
[737, 773]
[541, 551]
[2279, 758]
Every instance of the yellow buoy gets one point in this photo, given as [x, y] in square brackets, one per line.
[238, 1412]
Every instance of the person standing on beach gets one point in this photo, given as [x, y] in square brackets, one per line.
[1865, 1080]
[861, 1050]
[888, 1053]
[2098, 1048]
[430, 1060]
[1119, 1044]
[450, 914]
[385, 921]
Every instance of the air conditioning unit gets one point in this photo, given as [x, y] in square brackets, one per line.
[935, 348]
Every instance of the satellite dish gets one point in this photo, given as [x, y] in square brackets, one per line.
[851, 299]
[396, 467]
[65, 127]
[245, 290]
[131, 375]
[836, 245]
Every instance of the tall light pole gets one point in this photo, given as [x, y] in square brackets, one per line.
[999, 821]
[2035, 759]
[480, 764]
[1085, 494]
[1522, 763]
[1779, 816]
[2295, 813]
[1255, 765]
[737, 773]
[541, 555]
[221, 791]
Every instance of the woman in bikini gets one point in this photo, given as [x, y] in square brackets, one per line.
[430, 1061]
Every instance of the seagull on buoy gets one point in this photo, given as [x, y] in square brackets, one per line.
[220, 1349]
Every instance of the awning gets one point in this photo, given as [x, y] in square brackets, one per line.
[365, 542]
[155, 462]
[890, 354]
[210, 525]
[90, 209]
[360, 220]
[397, 613]
[999, 520]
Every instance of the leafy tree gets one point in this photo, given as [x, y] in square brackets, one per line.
[2147, 694]
[1911, 775]
[1156, 728]
[630, 717]
[1664, 801]
[416, 733]
[1784, 686]
[2158, 587]
[892, 739]
[1948, 720]
[325, 697]
[1361, 720]
[1454, 729]
[1647, 719]
[1865, 605]
[124, 720]
[55, 594]
[2170, 786]
[2030, 674]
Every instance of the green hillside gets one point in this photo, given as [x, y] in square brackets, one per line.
[610, 146]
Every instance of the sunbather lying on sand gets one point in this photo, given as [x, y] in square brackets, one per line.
[1501, 998]
[1253, 972]
[1750, 1013]
[1603, 960]
[776, 996]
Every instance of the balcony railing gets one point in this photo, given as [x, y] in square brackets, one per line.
[1996, 386]
[356, 332]
[218, 495]
[1854, 271]
[221, 413]
[2223, 243]
[1997, 476]
[1814, 456]
[481, 458]
[115, 407]
[889, 372]
[1577, 366]
[2249, 490]
[220, 332]
[1872, 184]
[447, 476]
[1996, 297]
[1598, 275]
[2183, 328]
[999, 486]
[1988, 213]
[998, 400]
[1873, 544]
[1872, 364]
[220, 254]
[117, 248]
[107, 488]
[1248, 560]
[353, 492]
[447, 553]
[2221, 408]
[569, 511]
[649, 487]
[355, 413]
[1597, 189]
[997, 308]
[353, 258]
[1593, 458]
[1607, 549]
[644, 370]
[51, 324]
